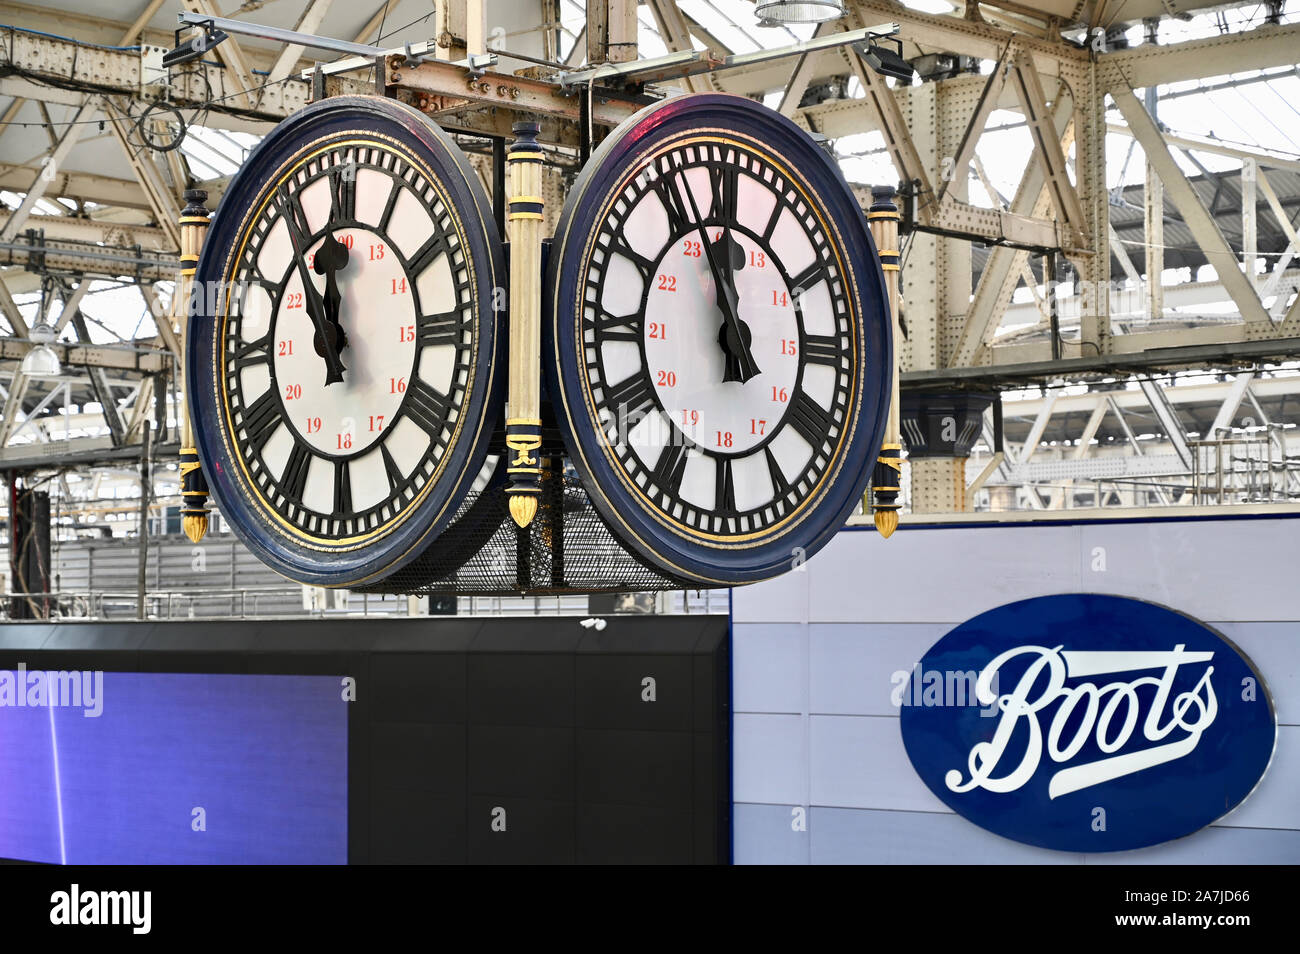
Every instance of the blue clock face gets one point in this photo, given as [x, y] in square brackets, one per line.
[719, 357]
[344, 365]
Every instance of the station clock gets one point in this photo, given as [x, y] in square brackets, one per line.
[718, 350]
[345, 355]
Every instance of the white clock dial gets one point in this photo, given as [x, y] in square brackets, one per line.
[355, 254]
[717, 339]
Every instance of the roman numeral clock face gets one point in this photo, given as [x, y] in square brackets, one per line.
[348, 349]
[717, 342]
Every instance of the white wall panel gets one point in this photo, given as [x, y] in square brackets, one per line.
[859, 762]
[943, 576]
[814, 653]
[851, 664]
[771, 759]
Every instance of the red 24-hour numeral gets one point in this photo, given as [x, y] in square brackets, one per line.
[757, 426]
[690, 417]
[286, 348]
[376, 251]
[668, 283]
[376, 422]
[667, 379]
[294, 300]
[406, 333]
[313, 425]
[345, 442]
[658, 331]
[399, 286]
[292, 392]
[691, 249]
[724, 438]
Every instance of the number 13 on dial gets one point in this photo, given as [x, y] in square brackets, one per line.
[719, 351]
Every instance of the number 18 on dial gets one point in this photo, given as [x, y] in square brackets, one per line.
[719, 342]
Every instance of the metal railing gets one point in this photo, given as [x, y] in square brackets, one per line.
[287, 601]
[1241, 468]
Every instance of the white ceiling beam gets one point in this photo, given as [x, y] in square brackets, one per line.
[1202, 144]
[162, 318]
[1168, 419]
[1035, 436]
[1153, 64]
[997, 281]
[51, 165]
[367, 33]
[1227, 412]
[1047, 144]
[308, 22]
[1026, 273]
[882, 106]
[1125, 261]
[102, 190]
[1199, 221]
[11, 312]
[230, 53]
[959, 171]
[76, 229]
[71, 305]
[802, 73]
[676, 34]
[161, 200]
[135, 29]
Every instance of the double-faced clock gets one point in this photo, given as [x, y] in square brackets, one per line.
[718, 348]
[346, 346]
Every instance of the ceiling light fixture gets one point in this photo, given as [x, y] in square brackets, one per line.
[771, 12]
[41, 361]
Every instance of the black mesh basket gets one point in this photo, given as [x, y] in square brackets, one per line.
[566, 549]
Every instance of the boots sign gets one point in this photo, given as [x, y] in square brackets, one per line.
[1116, 724]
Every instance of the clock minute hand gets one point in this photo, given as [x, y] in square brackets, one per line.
[331, 258]
[315, 304]
[726, 294]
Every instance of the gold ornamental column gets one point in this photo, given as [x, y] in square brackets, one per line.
[194, 487]
[523, 404]
[883, 219]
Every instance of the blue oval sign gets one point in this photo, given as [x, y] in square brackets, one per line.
[1083, 722]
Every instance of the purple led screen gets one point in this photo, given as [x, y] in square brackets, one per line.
[177, 768]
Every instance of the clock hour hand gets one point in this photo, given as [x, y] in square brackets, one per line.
[735, 349]
[331, 258]
[735, 335]
[326, 331]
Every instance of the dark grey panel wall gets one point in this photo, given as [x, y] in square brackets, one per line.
[583, 745]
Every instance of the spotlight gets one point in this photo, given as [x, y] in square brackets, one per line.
[771, 12]
[885, 56]
[41, 361]
[195, 47]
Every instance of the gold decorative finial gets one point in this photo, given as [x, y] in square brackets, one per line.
[195, 527]
[886, 522]
[523, 507]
